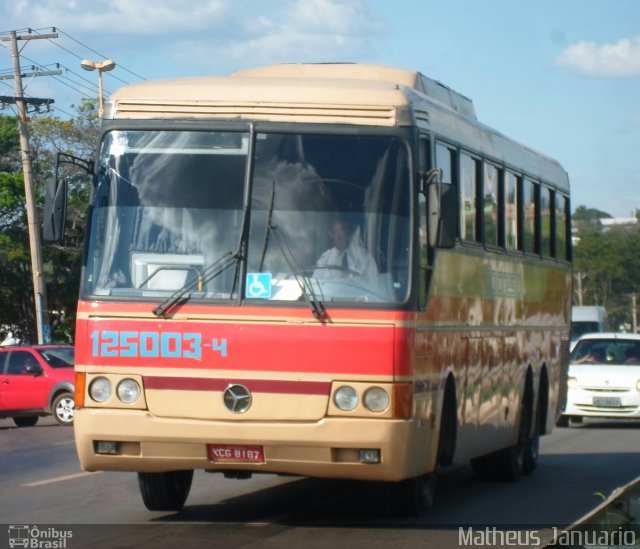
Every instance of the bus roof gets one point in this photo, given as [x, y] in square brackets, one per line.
[340, 92]
[330, 93]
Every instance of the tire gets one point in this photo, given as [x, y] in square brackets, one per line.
[563, 421]
[532, 448]
[165, 491]
[510, 463]
[414, 497]
[532, 452]
[483, 467]
[576, 419]
[62, 408]
[448, 428]
[25, 421]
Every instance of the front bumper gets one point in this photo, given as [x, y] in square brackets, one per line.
[601, 403]
[327, 448]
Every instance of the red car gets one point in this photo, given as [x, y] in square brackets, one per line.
[36, 380]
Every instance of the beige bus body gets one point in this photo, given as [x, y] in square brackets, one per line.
[523, 331]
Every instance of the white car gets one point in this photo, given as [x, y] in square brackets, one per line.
[604, 378]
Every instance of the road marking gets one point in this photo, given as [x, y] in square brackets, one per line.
[60, 479]
[64, 443]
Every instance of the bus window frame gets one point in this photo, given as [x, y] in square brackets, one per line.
[535, 251]
[517, 249]
[548, 251]
[405, 134]
[499, 244]
[477, 166]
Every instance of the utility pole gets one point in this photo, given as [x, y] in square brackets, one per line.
[633, 312]
[42, 313]
[579, 277]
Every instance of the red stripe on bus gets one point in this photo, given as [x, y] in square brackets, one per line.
[254, 385]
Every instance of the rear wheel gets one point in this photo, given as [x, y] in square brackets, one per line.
[512, 462]
[25, 421]
[165, 491]
[532, 449]
[62, 408]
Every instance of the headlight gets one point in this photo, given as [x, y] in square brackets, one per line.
[128, 391]
[346, 398]
[638, 385]
[100, 389]
[376, 399]
[572, 383]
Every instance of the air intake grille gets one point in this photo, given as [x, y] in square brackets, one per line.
[287, 112]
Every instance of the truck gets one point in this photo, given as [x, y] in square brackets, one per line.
[586, 320]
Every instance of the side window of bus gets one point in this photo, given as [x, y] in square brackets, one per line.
[469, 186]
[546, 222]
[425, 163]
[511, 221]
[445, 160]
[530, 214]
[490, 194]
[561, 206]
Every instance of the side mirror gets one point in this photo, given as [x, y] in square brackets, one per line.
[33, 370]
[55, 198]
[442, 214]
[55, 210]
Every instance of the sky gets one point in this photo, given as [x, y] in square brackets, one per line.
[561, 76]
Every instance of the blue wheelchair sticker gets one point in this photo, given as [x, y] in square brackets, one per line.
[258, 286]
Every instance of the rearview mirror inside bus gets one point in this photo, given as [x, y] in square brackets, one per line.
[442, 215]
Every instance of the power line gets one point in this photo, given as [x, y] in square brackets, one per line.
[102, 55]
[92, 86]
[72, 80]
[79, 57]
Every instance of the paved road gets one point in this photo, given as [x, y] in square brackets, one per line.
[41, 484]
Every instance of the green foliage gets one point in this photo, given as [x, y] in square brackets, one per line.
[48, 137]
[609, 264]
[9, 143]
[583, 213]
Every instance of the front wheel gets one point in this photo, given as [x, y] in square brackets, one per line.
[63, 407]
[165, 491]
[415, 496]
[25, 421]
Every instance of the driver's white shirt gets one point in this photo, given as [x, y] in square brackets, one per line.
[359, 261]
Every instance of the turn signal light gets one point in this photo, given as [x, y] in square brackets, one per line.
[403, 401]
[80, 386]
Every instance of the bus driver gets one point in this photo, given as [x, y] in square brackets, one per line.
[346, 257]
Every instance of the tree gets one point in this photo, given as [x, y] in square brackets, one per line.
[610, 265]
[48, 137]
[588, 218]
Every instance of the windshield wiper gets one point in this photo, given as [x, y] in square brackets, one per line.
[317, 307]
[183, 293]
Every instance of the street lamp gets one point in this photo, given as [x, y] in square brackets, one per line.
[100, 66]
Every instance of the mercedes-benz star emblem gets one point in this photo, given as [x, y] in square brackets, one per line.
[237, 398]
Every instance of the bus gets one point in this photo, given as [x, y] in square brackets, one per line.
[224, 324]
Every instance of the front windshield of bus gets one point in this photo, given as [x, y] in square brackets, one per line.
[329, 216]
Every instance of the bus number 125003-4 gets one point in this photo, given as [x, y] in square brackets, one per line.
[112, 344]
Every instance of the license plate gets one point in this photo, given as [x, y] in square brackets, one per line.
[234, 453]
[607, 402]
